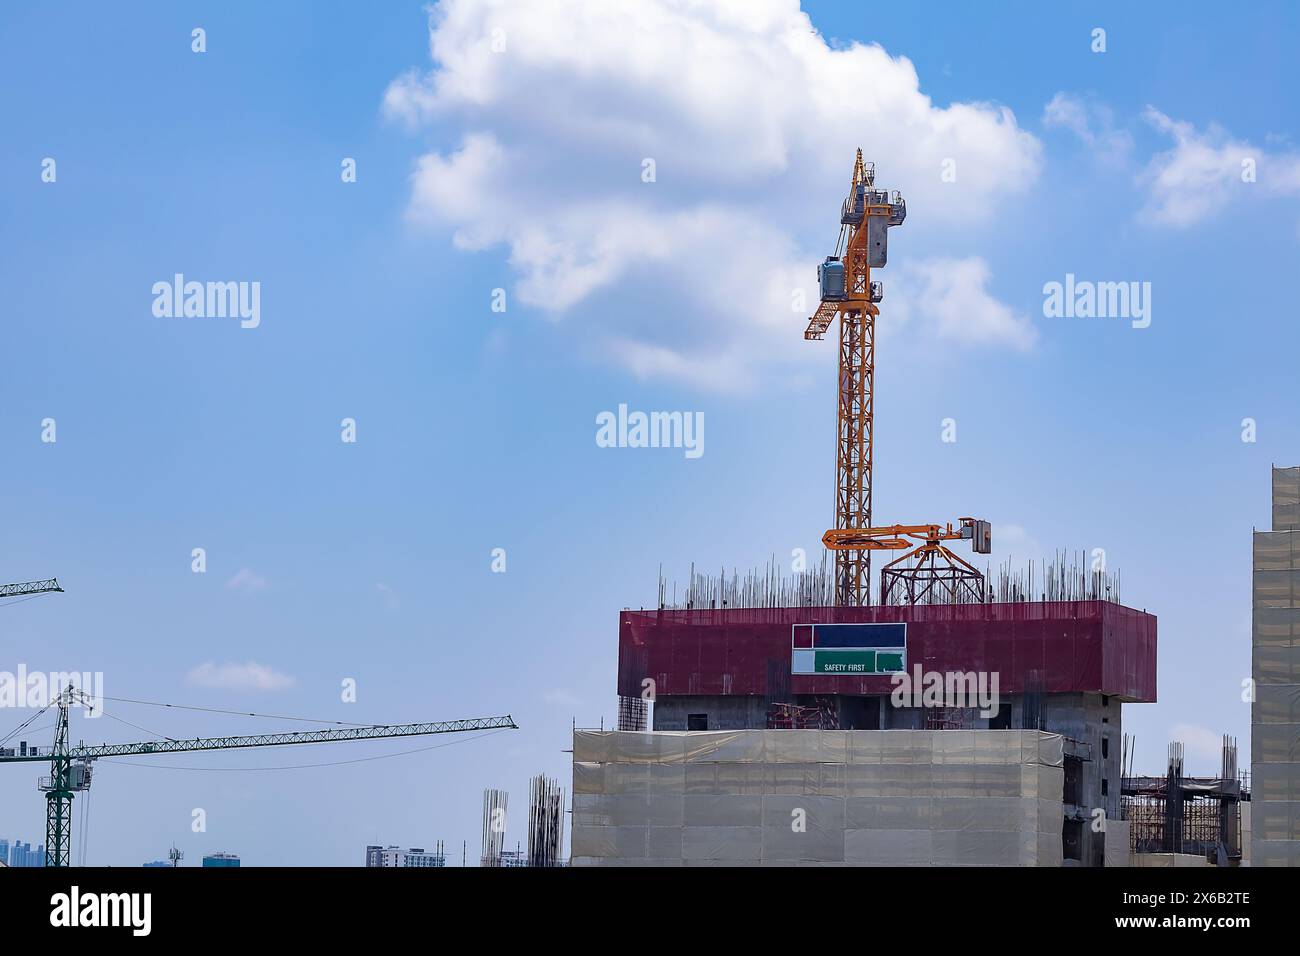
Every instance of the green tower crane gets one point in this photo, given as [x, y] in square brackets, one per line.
[70, 767]
[29, 587]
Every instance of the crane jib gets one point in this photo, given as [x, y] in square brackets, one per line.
[377, 732]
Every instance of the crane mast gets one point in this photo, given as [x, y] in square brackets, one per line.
[929, 572]
[847, 291]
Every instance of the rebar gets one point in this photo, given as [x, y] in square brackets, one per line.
[1066, 577]
[545, 822]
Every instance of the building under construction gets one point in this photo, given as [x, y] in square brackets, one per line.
[1197, 817]
[953, 720]
[1008, 732]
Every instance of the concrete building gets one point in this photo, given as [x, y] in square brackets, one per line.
[394, 856]
[1275, 668]
[1061, 669]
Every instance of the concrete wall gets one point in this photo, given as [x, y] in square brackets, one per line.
[809, 797]
[1090, 719]
[723, 713]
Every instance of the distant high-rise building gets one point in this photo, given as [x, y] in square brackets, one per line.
[22, 854]
[394, 856]
[1275, 669]
[4, 852]
[221, 859]
[416, 856]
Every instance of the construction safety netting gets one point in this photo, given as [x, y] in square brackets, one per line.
[1275, 666]
[810, 797]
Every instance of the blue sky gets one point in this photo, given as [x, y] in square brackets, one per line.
[522, 170]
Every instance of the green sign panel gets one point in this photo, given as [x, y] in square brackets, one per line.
[856, 662]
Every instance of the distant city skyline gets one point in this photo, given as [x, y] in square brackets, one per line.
[19, 854]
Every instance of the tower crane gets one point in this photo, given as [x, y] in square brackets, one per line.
[70, 767]
[929, 570]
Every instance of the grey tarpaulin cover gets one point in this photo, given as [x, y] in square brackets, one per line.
[1275, 666]
[817, 797]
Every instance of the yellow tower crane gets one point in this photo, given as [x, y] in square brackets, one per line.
[929, 571]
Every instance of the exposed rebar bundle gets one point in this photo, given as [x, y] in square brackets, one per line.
[1066, 577]
[494, 826]
[545, 822]
[771, 586]
[633, 713]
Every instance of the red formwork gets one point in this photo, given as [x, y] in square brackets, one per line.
[1049, 646]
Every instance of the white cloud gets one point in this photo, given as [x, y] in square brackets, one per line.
[751, 119]
[1202, 748]
[391, 600]
[231, 676]
[1093, 123]
[1203, 171]
[247, 580]
[950, 299]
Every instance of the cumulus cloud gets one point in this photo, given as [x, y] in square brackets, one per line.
[750, 119]
[1202, 747]
[232, 676]
[1094, 125]
[1207, 169]
[951, 301]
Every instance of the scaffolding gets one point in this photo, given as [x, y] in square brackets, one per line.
[1200, 816]
[820, 716]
